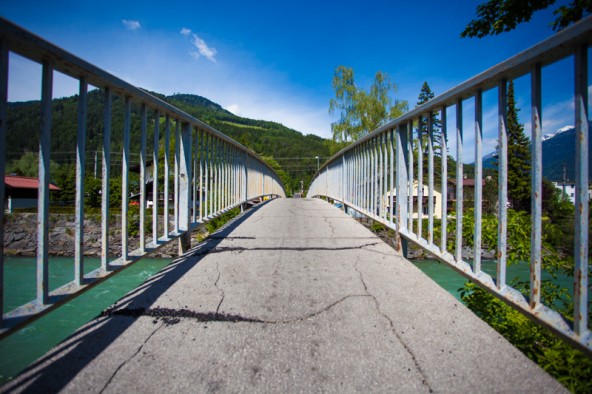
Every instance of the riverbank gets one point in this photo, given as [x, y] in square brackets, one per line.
[20, 236]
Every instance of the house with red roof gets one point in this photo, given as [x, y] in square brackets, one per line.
[22, 191]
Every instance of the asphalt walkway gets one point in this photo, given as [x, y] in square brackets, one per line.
[293, 296]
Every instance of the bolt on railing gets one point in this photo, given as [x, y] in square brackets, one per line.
[212, 172]
[377, 173]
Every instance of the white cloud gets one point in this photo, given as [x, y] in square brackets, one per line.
[234, 108]
[203, 49]
[131, 25]
[185, 31]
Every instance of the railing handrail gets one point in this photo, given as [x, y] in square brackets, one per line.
[212, 172]
[365, 175]
[545, 52]
[33, 47]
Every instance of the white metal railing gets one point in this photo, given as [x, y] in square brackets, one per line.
[365, 175]
[212, 172]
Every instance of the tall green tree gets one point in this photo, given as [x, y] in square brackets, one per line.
[518, 157]
[425, 95]
[498, 16]
[361, 111]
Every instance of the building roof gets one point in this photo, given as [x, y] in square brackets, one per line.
[24, 182]
[466, 182]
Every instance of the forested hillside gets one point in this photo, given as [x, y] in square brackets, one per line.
[294, 152]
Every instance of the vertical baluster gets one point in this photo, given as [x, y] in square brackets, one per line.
[155, 147]
[185, 167]
[167, 152]
[211, 177]
[410, 180]
[431, 178]
[391, 177]
[206, 174]
[44, 177]
[444, 157]
[200, 134]
[419, 176]
[478, 180]
[176, 191]
[503, 183]
[582, 171]
[106, 173]
[3, 122]
[124, 178]
[402, 182]
[80, 174]
[536, 185]
[459, 180]
[143, 138]
[195, 171]
[385, 174]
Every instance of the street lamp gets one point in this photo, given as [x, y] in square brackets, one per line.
[318, 163]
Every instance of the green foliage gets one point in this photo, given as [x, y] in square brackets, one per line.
[569, 366]
[361, 111]
[498, 16]
[133, 220]
[566, 364]
[221, 220]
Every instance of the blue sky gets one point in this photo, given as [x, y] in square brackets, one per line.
[274, 60]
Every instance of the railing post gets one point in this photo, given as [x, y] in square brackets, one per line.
[106, 173]
[503, 183]
[581, 217]
[124, 178]
[80, 173]
[167, 152]
[478, 181]
[459, 180]
[536, 185]
[185, 187]
[156, 139]
[3, 122]
[143, 127]
[44, 176]
[402, 184]
[444, 158]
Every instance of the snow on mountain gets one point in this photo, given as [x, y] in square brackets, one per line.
[555, 134]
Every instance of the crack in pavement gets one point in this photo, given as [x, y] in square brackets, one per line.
[129, 359]
[326, 219]
[392, 324]
[219, 289]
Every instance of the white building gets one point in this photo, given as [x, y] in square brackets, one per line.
[437, 201]
[569, 190]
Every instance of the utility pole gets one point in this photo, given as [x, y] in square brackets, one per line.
[563, 193]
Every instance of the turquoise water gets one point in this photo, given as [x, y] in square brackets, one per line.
[452, 281]
[28, 344]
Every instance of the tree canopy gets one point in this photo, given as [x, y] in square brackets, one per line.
[498, 16]
[361, 111]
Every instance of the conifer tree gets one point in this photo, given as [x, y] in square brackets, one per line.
[518, 157]
[425, 95]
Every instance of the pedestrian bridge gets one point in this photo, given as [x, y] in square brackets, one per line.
[295, 295]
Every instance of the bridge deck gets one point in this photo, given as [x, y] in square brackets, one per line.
[294, 296]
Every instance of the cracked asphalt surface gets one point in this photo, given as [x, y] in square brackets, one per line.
[293, 296]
